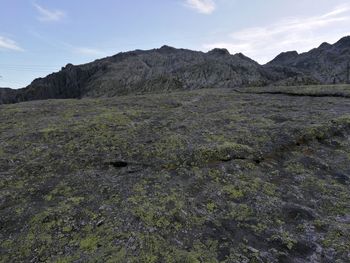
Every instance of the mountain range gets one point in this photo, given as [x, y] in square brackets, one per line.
[218, 171]
[170, 69]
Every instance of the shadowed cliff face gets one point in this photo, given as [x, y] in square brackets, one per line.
[8, 96]
[327, 63]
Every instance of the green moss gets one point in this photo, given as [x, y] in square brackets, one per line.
[222, 152]
[211, 206]
[338, 239]
[191, 258]
[241, 212]
[295, 168]
[19, 184]
[170, 149]
[89, 243]
[19, 210]
[76, 199]
[2, 153]
[67, 229]
[118, 257]
[115, 118]
[286, 239]
[259, 228]
[157, 210]
[6, 243]
[48, 130]
[233, 191]
[191, 174]
[64, 260]
[48, 197]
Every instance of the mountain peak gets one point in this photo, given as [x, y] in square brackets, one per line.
[244, 57]
[343, 42]
[68, 66]
[284, 57]
[324, 45]
[166, 48]
[219, 52]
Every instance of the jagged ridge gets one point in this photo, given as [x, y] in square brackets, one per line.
[168, 69]
[163, 69]
[327, 63]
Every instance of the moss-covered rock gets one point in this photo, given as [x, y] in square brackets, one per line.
[201, 176]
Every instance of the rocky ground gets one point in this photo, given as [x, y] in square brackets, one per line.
[249, 175]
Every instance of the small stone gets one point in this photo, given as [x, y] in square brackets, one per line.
[100, 222]
[254, 250]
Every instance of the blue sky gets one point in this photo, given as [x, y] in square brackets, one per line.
[38, 37]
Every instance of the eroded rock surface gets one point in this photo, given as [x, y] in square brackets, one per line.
[328, 63]
[159, 70]
[199, 176]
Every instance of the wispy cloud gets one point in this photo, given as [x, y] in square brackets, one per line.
[83, 51]
[87, 51]
[9, 44]
[55, 44]
[201, 6]
[301, 34]
[46, 15]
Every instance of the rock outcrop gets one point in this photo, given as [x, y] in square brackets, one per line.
[328, 64]
[8, 95]
[168, 69]
[156, 70]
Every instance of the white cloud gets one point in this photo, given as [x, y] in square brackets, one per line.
[86, 51]
[83, 51]
[47, 15]
[301, 34]
[202, 6]
[9, 44]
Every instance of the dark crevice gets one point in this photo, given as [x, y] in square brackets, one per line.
[134, 171]
[329, 95]
[340, 131]
[237, 158]
[118, 164]
[233, 158]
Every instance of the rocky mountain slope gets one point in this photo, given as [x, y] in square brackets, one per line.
[164, 69]
[327, 64]
[8, 95]
[170, 69]
[233, 176]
